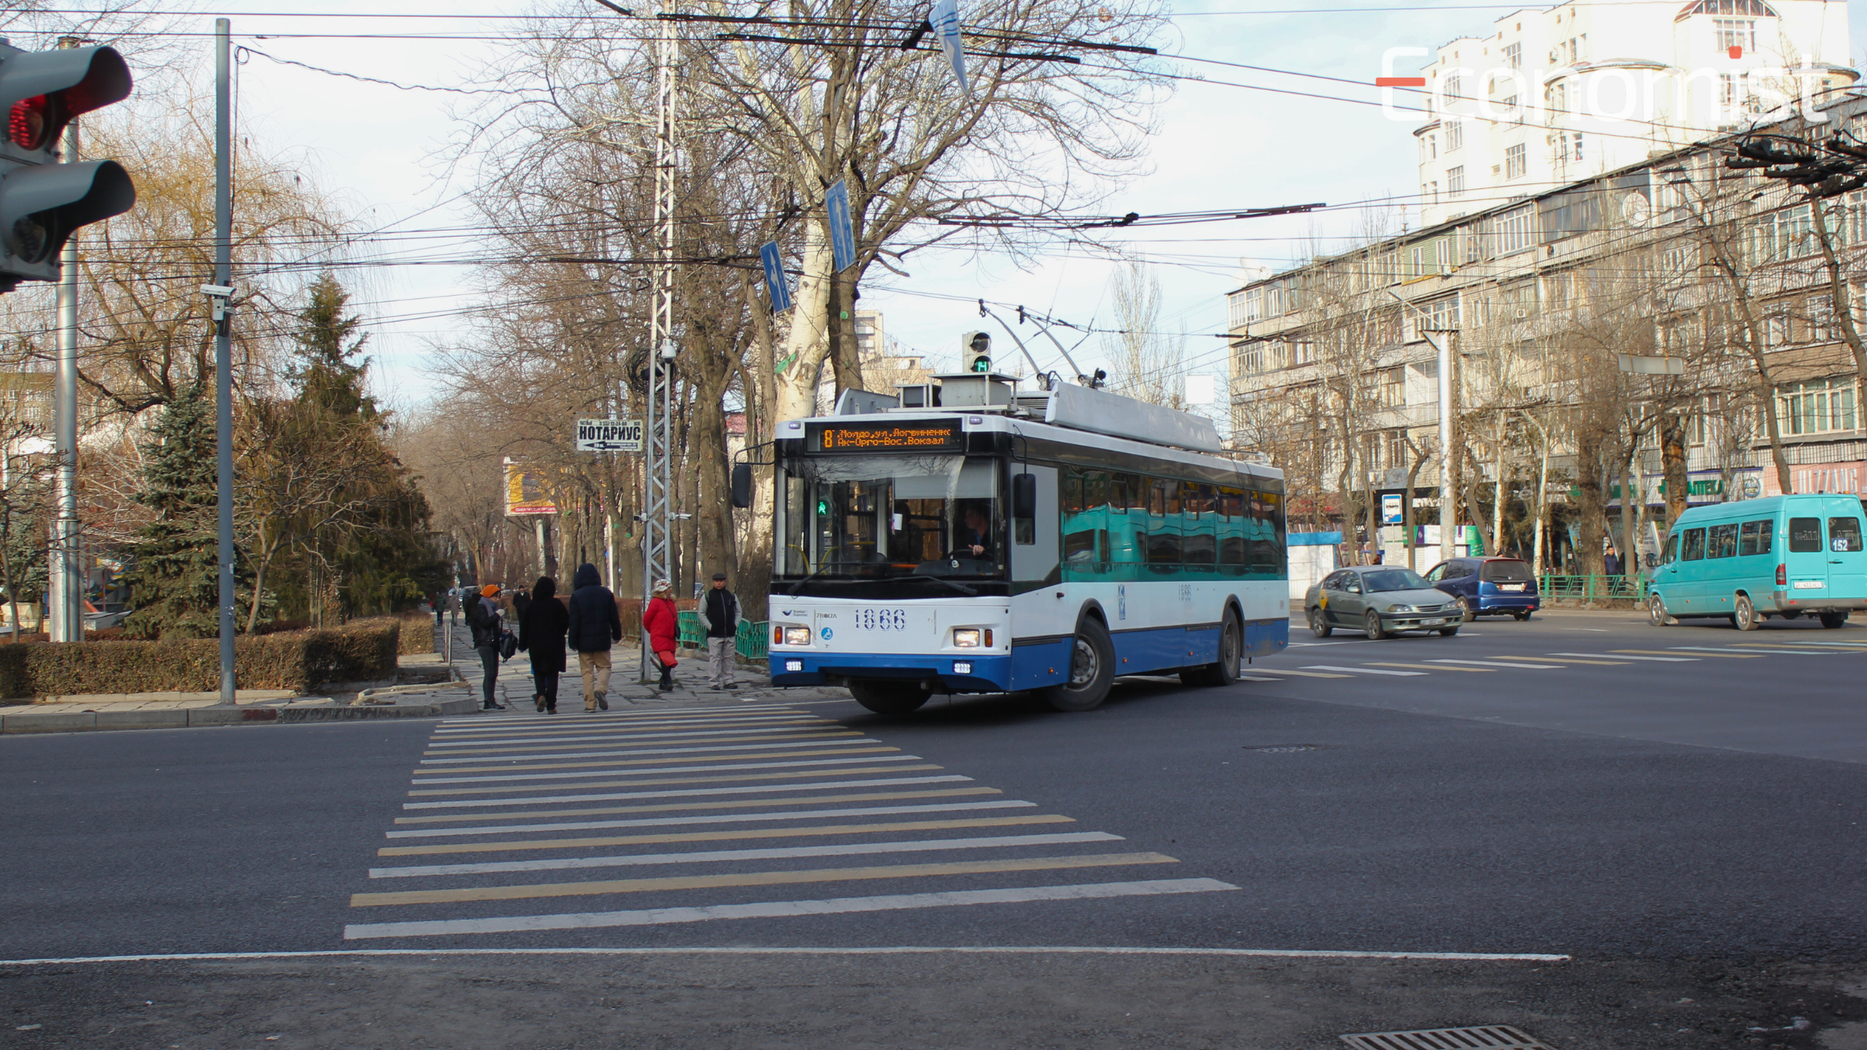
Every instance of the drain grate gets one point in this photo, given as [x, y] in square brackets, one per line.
[1284, 749]
[1481, 1037]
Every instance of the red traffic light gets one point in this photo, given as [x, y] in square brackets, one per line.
[65, 84]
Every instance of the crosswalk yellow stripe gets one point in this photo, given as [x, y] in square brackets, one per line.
[753, 878]
[665, 838]
[737, 803]
[584, 785]
[737, 756]
[585, 745]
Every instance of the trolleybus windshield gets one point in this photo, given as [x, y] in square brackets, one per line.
[870, 517]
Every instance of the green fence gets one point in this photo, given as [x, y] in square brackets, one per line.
[1555, 587]
[750, 643]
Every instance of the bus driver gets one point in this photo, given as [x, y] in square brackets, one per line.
[975, 537]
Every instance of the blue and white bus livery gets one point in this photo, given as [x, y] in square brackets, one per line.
[981, 540]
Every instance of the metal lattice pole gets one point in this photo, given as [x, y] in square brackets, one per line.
[657, 510]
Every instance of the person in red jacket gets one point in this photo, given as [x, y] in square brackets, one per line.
[663, 623]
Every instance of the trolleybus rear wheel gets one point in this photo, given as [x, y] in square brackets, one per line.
[1092, 670]
[889, 698]
[1231, 651]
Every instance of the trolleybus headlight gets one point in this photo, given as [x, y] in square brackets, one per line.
[966, 638]
[797, 636]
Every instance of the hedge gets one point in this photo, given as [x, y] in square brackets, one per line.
[361, 651]
[417, 634]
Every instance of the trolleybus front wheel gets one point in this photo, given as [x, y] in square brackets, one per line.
[1092, 670]
[889, 698]
[1231, 650]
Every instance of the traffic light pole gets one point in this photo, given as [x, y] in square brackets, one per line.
[65, 618]
[223, 342]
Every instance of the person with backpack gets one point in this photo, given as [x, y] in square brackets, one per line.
[719, 618]
[661, 621]
[594, 626]
[542, 627]
[483, 620]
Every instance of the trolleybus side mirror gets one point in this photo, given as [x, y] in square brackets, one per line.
[1024, 496]
[742, 485]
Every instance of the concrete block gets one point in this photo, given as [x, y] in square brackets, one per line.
[146, 718]
[49, 722]
[228, 716]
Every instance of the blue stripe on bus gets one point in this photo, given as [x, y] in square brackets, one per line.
[1165, 648]
[1267, 637]
[989, 673]
[1047, 663]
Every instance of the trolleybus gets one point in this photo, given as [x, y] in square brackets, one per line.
[963, 537]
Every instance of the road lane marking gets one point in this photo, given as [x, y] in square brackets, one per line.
[1433, 667]
[1362, 670]
[781, 909]
[1619, 655]
[867, 796]
[1760, 648]
[749, 732]
[617, 796]
[527, 754]
[614, 772]
[1700, 651]
[1300, 674]
[722, 715]
[738, 879]
[894, 949]
[611, 724]
[1255, 678]
[510, 766]
[1496, 662]
[1568, 660]
[1591, 630]
[724, 818]
[856, 849]
[739, 778]
[740, 834]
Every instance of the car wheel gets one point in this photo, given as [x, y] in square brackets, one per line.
[1466, 613]
[1318, 625]
[1371, 626]
[1231, 652]
[889, 698]
[1832, 620]
[1744, 616]
[1656, 610]
[1447, 632]
[1092, 671]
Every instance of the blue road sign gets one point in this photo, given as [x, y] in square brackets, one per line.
[945, 21]
[775, 282]
[842, 231]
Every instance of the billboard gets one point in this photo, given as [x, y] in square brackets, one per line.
[528, 491]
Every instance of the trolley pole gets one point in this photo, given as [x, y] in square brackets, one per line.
[223, 340]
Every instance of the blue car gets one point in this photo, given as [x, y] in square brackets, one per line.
[1484, 586]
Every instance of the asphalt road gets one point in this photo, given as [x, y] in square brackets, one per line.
[1677, 808]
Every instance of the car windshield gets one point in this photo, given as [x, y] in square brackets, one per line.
[1506, 571]
[876, 517]
[1394, 580]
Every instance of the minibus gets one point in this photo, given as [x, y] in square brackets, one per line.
[1786, 556]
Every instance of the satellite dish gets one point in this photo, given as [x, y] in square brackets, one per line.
[1636, 209]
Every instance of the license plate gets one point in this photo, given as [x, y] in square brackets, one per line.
[1510, 586]
[1809, 585]
[1433, 623]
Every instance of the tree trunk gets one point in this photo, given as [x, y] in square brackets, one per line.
[1593, 506]
[804, 346]
[1542, 508]
[1673, 464]
[844, 350]
[1497, 487]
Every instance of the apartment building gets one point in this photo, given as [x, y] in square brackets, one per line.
[1562, 94]
[1675, 258]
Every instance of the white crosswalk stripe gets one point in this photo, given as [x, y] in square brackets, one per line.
[717, 809]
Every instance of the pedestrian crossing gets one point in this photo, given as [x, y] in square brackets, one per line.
[1424, 666]
[708, 815]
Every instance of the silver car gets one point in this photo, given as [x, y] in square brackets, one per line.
[1379, 600]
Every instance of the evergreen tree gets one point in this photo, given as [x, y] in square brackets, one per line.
[174, 586]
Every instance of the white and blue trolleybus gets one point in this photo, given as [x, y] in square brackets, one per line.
[963, 537]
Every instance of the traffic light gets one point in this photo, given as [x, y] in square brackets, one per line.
[976, 351]
[43, 202]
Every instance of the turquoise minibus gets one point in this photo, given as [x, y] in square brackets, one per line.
[1784, 556]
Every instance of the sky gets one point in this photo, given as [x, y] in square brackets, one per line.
[379, 151]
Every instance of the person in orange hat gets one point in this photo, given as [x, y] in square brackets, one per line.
[483, 621]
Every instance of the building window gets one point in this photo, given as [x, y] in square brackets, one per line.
[1432, 192]
[1509, 106]
[1514, 161]
[1735, 32]
[1513, 56]
[1575, 146]
[1250, 358]
[1393, 390]
[1727, 90]
[1822, 406]
[1455, 136]
[1512, 230]
[1776, 329]
[1303, 352]
[1440, 314]
[1429, 148]
[1556, 97]
[1455, 182]
[1823, 328]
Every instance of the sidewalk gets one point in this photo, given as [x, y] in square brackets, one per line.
[514, 687]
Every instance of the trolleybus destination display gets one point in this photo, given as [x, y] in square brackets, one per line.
[941, 436]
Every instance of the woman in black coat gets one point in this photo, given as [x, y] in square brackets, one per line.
[541, 633]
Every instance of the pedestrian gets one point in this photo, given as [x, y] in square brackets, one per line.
[593, 628]
[521, 601]
[483, 621]
[542, 628]
[719, 617]
[1611, 562]
[662, 621]
[438, 602]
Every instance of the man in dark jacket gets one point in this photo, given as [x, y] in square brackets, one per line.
[719, 617]
[594, 627]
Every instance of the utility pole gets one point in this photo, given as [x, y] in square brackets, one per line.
[65, 618]
[1448, 436]
[656, 506]
[223, 340]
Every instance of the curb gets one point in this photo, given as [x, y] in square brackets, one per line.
[196, 717]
